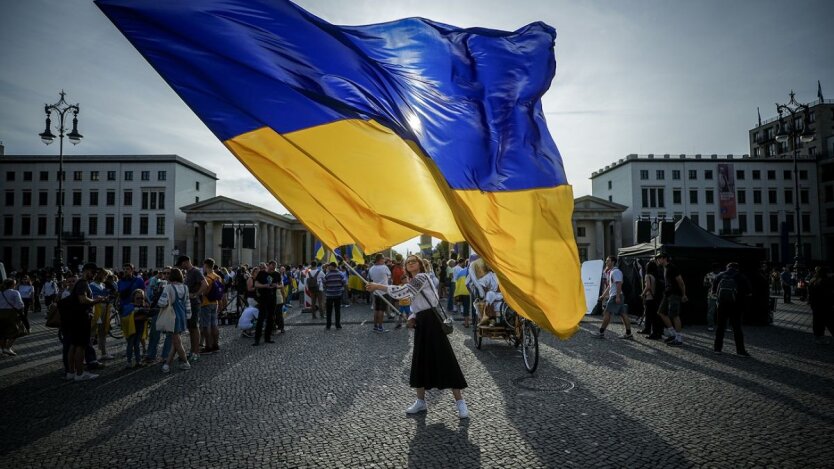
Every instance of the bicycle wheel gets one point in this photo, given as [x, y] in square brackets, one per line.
[530, 346]
[116, 325]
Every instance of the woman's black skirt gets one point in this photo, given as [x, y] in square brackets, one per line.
[433, 363]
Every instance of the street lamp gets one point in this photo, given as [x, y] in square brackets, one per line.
[793, 131]
[61, 108]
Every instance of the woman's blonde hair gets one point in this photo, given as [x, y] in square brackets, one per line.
[480, 267]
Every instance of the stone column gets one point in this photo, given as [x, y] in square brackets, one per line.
[599, 240]
[262, 242]
[274, 243]
[189, 240]
[618, 235]
[208, 247]
[216, 250]
[308, 253]
[286, 246]
[201, 242]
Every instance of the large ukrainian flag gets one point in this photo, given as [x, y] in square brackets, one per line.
[324, 115]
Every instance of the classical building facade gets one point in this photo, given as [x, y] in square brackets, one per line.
[234, 233]
[597, 225]
[117, 208]
[748, 199]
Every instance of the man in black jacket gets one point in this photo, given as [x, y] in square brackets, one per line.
[731, 289]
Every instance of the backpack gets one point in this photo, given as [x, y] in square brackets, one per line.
[727, 290]
[216, 290]
[313, 282]
[66, 308]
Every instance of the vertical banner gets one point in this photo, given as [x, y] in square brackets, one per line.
[726, 191]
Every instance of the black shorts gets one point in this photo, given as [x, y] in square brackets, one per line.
[379, 303]
[79, 331]
[193, 321]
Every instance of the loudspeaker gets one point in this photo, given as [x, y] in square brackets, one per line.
[667, 232]
[644, 231]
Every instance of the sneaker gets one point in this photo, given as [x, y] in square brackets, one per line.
[416, 408]
[743, 354]
[710, 328]
[194, 357]
[669, 339]
[627, 337]
[377, 329]
[598, 335]
[69, 376]
[85, 376]
[10, 352]
[166, 368]
[675, 343]
[463, 411]
[185, 366]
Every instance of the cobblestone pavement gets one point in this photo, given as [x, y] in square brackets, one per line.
[321, 398]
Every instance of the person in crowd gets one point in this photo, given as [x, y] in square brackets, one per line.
[101, 312]
[449, 277]
[248, 319]
[177, 294]
[397, 273]
[673, 296]
[379, 273]
[821, 300]
[139, 313]
[11, 307]
[709, 280]
[267, 285]
[50, 289]
[210, 295]
[78, 322]
[614, 301]
[731, 289]
[775, 282]
[334, 287]
[27, 294]
[355, 285]
[153, 334]
[433, 361]
[462, 298]
[787, 281]
[37, 284]
[652, 328]
[194, 280]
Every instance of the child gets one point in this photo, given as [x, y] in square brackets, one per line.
[138, 315]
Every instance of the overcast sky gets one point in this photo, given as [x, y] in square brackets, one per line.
[632, 76]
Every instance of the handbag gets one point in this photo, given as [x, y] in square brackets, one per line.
[167, 317]
[18, 319]
[445, 320]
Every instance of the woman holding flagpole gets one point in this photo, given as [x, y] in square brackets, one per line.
[433, 362]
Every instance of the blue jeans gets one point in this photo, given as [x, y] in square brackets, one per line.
[153, 342]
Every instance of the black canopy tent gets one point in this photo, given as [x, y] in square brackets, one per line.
[694, 252]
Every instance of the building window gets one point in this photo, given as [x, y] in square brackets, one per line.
[774, 222]
[27, 176]
[693, 196]
[708, 174]
[143, 257]
[610, 198]
[9, 198]
[758, 223]
[757, 196]
[145, 175]
[76, 225]
[676, 174]
[771, 196]
[661, 174]
[757, 174]
[109, 225]
[127, 225]
[196, 199]
[77, 176]
[8, 225]
[125, 255]
[92, 225]
[111, 176]
[740, 174]
[695, 218]
[25, 225]
[693, 174]
[787, 175]
[609, 185]
[583, 253]
[91, 254]
[803, 196]
[40, 252]
[709, 197]
[27, 198]
[10, 176]
[711, 222]
[677, 216]
[128, 175]
[128, 198]
[757, 152]
[725, 226]
[163, 175]
[644, 175]
[59, 198]
[93, 198]
[160, 256]
[742, 223]
[197, 184]
[806, 222]
[741, 196]
[41, 226]
[653, 197]
[76, 198]
[160, 225]
[108, 256]
[676, 196]
[44, 175]
[580, 231]
[111, 198]
[161, 201]
[788, 196]
[43, 198]
[94, 175]
[771, 174]
[143, 225]
[789, 222]
[803, 174]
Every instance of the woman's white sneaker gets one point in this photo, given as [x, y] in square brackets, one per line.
[463, 411]
[418, 406]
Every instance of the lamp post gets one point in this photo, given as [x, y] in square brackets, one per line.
[61, 108]
[791, 131]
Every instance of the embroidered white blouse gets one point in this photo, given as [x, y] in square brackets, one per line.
[419, 289]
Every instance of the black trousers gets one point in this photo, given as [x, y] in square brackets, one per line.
[279, 316]
[334, 302]
[733, 312]
[786, 293]
[266, 313]
[823, 317]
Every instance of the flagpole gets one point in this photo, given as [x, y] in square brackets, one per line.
[365, 281]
